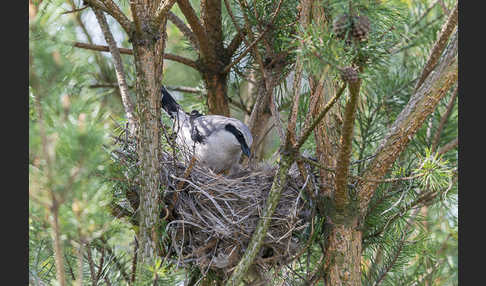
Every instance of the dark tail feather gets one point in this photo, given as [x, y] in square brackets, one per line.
[168, 103]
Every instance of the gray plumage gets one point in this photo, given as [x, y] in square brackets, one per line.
[216, 141]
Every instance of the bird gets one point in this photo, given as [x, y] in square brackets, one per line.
[216, 141]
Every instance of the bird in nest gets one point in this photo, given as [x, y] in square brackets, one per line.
[216, 141]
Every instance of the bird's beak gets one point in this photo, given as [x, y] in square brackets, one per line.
[246, 150]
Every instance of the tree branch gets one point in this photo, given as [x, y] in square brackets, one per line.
[329, 105]
[184, 89]
[195, 25]
[162, 11]
[304, 22]
[167, 56]
[239, 37]
[184, 29]
[91, 265]
[243, 54]
[449, 146]
[120, 72]
[113, 10]
[439, 45]
[341, 195]
[235, 43]
[260, 232]
[443, 120]
[419, 107]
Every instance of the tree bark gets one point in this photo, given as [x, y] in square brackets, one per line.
[148, 47]
[216, 87]
[343, 255]
[148, 63]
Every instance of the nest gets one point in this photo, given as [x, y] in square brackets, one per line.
[211, 218]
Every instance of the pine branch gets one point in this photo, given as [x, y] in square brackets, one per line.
[100, 265]
[421, 104]
[120, 71]
[167, 56]
[292, 125]
[99, 60]
[427, 11]
[249, 32]
[439, 45]
[136, 7]
[341, 196]
[235, 43]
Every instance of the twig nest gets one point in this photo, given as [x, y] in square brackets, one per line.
[213, 216]
[349, 74]
[352, 27]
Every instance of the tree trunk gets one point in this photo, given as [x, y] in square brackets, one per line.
[217, 88]
[147, 51]
[343, 255]
[259, 120]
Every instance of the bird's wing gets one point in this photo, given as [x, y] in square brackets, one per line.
[205, 125]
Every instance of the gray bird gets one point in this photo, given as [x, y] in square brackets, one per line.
[216, 141]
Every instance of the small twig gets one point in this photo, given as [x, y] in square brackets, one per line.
[75, 10]
[444, 7]
[449, 146]
[307, 132]
[69, 267]
[100, 265]
[443, 120]
[134, 261]
[243, 54]
[104, 245]
[92, 271]
[275, 13]
[184, 89]
[181, 183]
[427, 11]
[196, 26]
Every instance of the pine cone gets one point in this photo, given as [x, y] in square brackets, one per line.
[361, 28]
[349, 74]
[340, 26]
